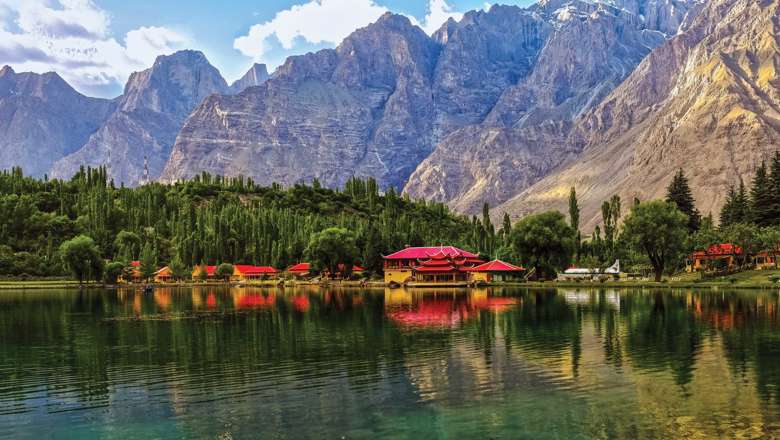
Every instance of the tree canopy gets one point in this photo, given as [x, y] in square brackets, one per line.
[544, 241]
[658, 229]
[82, 257]
[332, 247]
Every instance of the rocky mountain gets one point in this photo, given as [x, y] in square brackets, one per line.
[147, 119]
[706, 101]
[591, 48]
[256, 75]
[42, 119]
[364, 108]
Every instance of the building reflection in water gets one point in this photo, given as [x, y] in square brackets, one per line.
[440, 307]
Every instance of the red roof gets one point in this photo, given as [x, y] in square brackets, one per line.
[209, 270]
[496, 266]
[135, 263]
[300, 267]
[247, 269]
[417, 253]
[720, 249]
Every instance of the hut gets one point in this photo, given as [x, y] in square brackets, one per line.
[163, 275]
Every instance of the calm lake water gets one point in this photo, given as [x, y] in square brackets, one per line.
[503, 363]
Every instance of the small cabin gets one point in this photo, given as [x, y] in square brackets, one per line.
[198, 270]
[496, 271]
[766, 259]
[163, 275]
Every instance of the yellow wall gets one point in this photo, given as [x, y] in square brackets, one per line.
[397, 275]
[480, 276]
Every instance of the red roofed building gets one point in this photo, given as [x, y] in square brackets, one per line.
[246, 272]
[717, 256]
[434, 265]
[496, 270]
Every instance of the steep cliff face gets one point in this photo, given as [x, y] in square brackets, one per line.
[364, 108]
[706, 101]
[43, 119]
[592, 48]
[150, 113]
[256, 75]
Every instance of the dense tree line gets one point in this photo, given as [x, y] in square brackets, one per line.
[211, 219]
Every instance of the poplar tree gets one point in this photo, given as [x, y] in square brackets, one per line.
[679, 193]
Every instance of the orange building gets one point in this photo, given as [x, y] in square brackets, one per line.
[163, 275]
[246, 272]
[210, 272]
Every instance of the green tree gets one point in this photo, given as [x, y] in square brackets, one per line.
[113, 271]
[706, 236]
[178, 268]
[148, 261]
[744, 235]
[659, 230]
[331, 247]
[126, 245]
[762, 198]
[679, 193]
[82, 258]
[773, 212]
[610, 215]
[224, 271]
[574, 220]
[736, 208]
[544, 241]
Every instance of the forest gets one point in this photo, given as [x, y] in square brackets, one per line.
[211, 219]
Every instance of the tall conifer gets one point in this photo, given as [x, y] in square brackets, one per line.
[679, 193]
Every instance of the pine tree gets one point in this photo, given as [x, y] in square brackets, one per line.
[727, 212]
[773, 212]
[148, 261]
[761, 198]
[679, 193]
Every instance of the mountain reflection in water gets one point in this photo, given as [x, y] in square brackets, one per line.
[439, 363]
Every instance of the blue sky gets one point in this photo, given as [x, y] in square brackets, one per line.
[96, 44]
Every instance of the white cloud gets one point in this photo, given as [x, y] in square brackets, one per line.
[438, 13]
[72, 37]
[327, 21]
[318, 21]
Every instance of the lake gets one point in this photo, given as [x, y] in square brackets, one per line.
[295, 363]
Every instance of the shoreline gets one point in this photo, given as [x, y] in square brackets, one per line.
[713, 285]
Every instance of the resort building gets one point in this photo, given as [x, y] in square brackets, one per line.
[766, 259]
[136, 274]
[245, 272]
[163, 275]
[496, 271]
[718, 256]
[430, 265]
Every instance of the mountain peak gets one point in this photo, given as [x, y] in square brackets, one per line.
[256, 75]
[6, 70]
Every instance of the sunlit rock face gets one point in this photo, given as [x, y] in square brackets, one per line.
[586, 51]
[43, 119]
[364, 108]
[706, 101]
[148, 117]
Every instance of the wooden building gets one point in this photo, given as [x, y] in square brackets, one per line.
[246, 272]
[766, 259]
[163, 275]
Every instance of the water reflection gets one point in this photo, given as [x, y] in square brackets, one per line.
[254, 361]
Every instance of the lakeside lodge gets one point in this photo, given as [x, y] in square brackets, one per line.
[444, 265]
